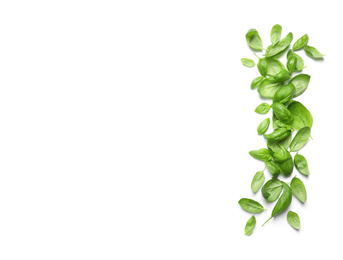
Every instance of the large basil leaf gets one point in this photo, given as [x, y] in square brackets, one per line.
[271, 190]
[254, 40]
[281, 155]
[263, 154]
[284, 94]
[282, 113]
[286, 167]
[249, 226]
[256, 82]
[301, 164]
[302, 117]
[257, 181]
[275, 34]
[300, 83]
[300, 43]
[273, 168]
[278, 134]
[278, 48]
[313, 53]
[300, 139]
[251, 206]
[248, 62]
[298, 189]
[262, 108]
[263, 126]
[268, 88]
[300, 62]
[293, 219]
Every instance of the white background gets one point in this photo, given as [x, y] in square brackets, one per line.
[126, 126]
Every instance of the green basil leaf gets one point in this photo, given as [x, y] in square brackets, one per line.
[257, 181]
[249, 226]
[291, 63]
[278, 134]
[282, 76]
[298, 189]
[268, 88]
[273, 146]
[301, 164]
[300, 83]
[274, 66]
[293, 219]
[300, 62]
[302, 117]
[286, 167]
[275, 34]
[282, 113]
[262, 108]
[262, 66]
[281, 155]
[248, 62]
[286, 141]
[282, 125]
[263, 154]
[263, 126]
[300, 43]
[271, 190]
[251, 206]
[281, 46]
[275, 124]
[284, 94]
[300, 139]
[256, 82]
[254, 40]
[313, 53]
[273, 168]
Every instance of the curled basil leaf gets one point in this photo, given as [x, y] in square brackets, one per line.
[268, 88]
[282, 76]
[249, 226]
[300, 139]
[284, 94]
[262, 108]
[275, 34]
[281, 46]
[298, 189]
[313, 53]
[263, 126]
[273, 168]
[248, 62]
[300, 43]
[302, 117]
[263, 154]
[256, 82]
[271, 190]
[278, 134]
[300, 62]
[254, 40]
[293, 219]
[301, 164]
[286, 167]
[282, 113]
[291, 63]
[257, 181]
[300, 83]
[251, 206]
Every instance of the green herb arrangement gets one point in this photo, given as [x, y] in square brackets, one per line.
[291, 122]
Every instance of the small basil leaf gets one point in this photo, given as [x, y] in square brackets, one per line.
[262, 66]
[281, 155]
[271, 190]
[300, 62]
[300, 139]
[273, 168]
[275, 34]
[302, 117]
[282, 113]
[291, 63]
[282, 76]
[313, 53]
[249, 226]
[248, 62]
[284, 94]
[300, 43]
[256, 82]
[293, 219]
[263, 154]
[301, 164]
[263, 126]
[278, 134]
[286, 167]
[254, 40]
[298, 189]
[251, 206]
[278, 48]
[257, 181]
[262, 108]
[268, 88]
[300, 83]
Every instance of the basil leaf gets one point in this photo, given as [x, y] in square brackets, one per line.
[300, 43]
[278, 134]
[282, 125]
[300, 62]
[249, 226]
[275, 119]
[281, 155]
[313, 53]
[300, 83]
[251, 206]
[263, 126]
[256, 82]
[248, 62]
[268, 88]
[283, 202]
[271, 190]
[284, 94]
[282, 76]
[274, 66]
[286, 167]
[300, 139]
[298, 189]
[291, 63]
[282, 113]
[286, 141]
[263, 154]
[273, 146]
[257, 181]
[293, 219]
[278, 48]
[262, 66]
[273, 168]
[275, 34]
[262, 108]
[301, 164]
[302, 117]
[254, 40]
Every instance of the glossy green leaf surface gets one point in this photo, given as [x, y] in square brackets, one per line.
[282, 76]
[300, 83]
[249, 226]
[262, 108]
[298, 189]
[256, 82]
[286, 167]
[293, 219]
[300, 139]
[279, 47]
[313, 53]
[300, 43]
[268, 88]
[302, 117]
[301, 165]
[271, 190]
[254, 40]
[257, 181]
[291, 63]
[281, 155]
[250, 205]
[273, 168]
[263, 126]
[262, 154]
[275, 34]
[278, 134]
[284, 94]
[282, 113]
[299, 61]
[248, 62]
